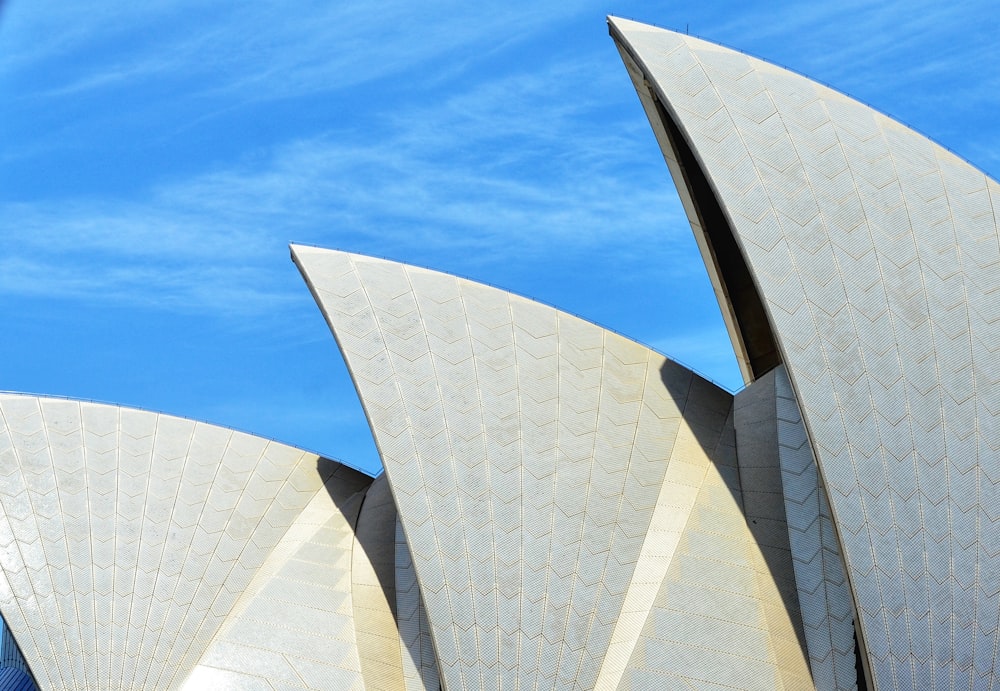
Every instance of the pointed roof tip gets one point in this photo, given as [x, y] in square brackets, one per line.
[616, 22]
[623, 24]
[302, 255]
[299, 249]
[302, 248]
[310, 258]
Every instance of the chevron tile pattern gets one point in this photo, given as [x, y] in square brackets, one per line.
[415, 645]
[562, 507]
[127, 537]
[543, 468]
[763, 495]
[719, 618]
[373, 590]
[824, 595]
[294, 625]
[875, 252]
[497, 475]
[787, 511]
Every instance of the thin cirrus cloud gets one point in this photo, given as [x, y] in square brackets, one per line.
[161, 155]
[228, 290]
[429, 177]
[908, 59]
[369, 195]
[265, 50]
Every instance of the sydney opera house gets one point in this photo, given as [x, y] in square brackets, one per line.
[562, 507]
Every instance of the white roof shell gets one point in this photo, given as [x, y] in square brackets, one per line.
[875, 255]
[138, 548]
[568, 496]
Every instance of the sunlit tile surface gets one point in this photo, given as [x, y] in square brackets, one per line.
[128, 538]
[875, 253]
[546, 473]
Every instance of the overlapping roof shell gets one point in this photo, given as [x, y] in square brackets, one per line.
[872, 255]
[563, 507]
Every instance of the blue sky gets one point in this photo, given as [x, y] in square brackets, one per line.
[157, 158]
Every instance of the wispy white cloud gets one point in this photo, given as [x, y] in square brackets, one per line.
[225, 289]
[501, 170]
[525, 163]
[889, 53]
[37, 31]
[262, 50]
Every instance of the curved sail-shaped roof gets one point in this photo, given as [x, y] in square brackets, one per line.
[130, 543]
[865, 258]
[557, 485]
[415, 646]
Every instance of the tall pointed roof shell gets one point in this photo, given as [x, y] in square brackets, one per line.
[555, 482]
[872, 255]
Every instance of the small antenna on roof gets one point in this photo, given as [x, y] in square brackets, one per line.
[687, 29]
